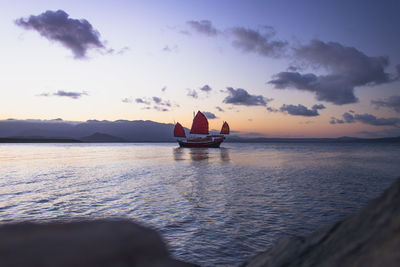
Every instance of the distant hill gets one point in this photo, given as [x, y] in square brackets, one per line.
[100, 137]
[129, 131]
[36, 140]
[132, 131]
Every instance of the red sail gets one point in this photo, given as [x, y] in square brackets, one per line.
[225, 128]
[200, 124]
[179, 131]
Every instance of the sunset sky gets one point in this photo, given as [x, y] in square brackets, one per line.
[269, 68]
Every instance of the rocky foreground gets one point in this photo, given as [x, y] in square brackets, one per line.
[87, 243]
[370, 237]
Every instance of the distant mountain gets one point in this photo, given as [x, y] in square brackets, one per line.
[129, 131]
[36, 139]
[133, 131]
[100, 137]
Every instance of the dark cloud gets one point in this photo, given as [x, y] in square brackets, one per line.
[76, 35]
[240, 96]
[260, 42]
[142, 101]
[349, 118]
[372, 120]
[163, 89]
[203, 27]
[192, 93]
[127, 100]
[366, 119]
[347, 68]
[292, 68]
[73, 95]
[157, 100]
[301, 110]
[219, 109]
[336, 121]
[318, 106]
[206, 88]
[209, 115]
[329, 88]
[392, 102]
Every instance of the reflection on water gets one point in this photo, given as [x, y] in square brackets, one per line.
[197, 154]
[213, 206]
[201, 154]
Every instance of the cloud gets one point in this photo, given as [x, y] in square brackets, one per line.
[349, 118]
[142, 101]
[73, 95]
[209, 115]
[366, 119]
[168, 48]
[240, 96]
[121, 51]
[301, 110]
[347, 68]
[271, 109]
[76, 35]
[160, 109]
[127, 100]
[204, 27]
[329, 88]
[158, 103]
[163, 89]
[219, 109]
[205, 88]
[260, 42]
[336, 121]
[372, 120]
[157, 100]
[192, 93]
[392, 102]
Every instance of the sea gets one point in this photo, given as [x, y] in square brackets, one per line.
[213, 207]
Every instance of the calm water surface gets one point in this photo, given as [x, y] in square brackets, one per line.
[212, 206]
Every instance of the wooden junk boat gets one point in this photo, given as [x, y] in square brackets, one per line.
[200, 130]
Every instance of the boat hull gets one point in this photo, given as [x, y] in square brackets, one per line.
[212, 143]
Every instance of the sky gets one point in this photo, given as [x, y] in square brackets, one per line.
[269, 68]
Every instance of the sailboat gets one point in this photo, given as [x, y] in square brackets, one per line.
[202, 137]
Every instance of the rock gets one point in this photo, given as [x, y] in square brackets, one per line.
[83, 243]
[370, 237]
